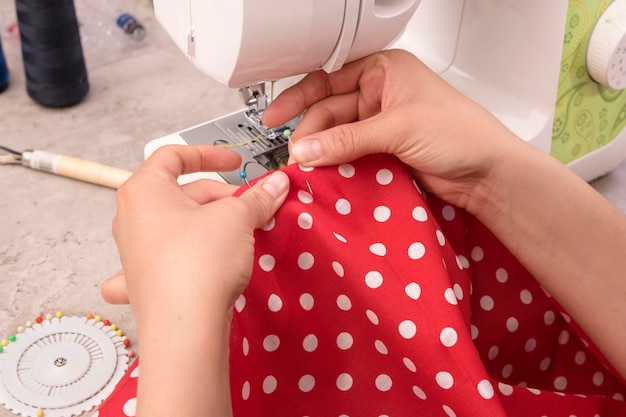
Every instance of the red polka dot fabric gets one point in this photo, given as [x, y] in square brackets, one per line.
[371, 298]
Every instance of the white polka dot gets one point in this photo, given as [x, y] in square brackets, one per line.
[448, 337]
[343, 206]
[410, 365]
[374, 279]
[534, 391]
[458, 292]
[618, 397]
[450, 296]
[271, 343]
[245, 345]
[502, 275]
[512, 324]
[306, 261]
[441, 239]
[531, 344]
[135, 372]
[274, 303]
[580, 358]
[485, 389]
[507, 370]
[526, 297]
[564, 337]
[345, 341]
[245, 391]
[413, 290]
[344, 303]
[130, 407]
[267, 262]
[305, 221]
[566, 317]
[240, 303]
[417, 187]
[338, 268]
[269, 384]
[448, 213]
[486, 303]
[474, 331]
[307, 301]
[417, 250]
[383, 382]
[560, 383]
[306, 383]
[477, 254]
[419, 393]
[462, 262]
[381, 347]
[340, 238]
[545, 364]
[505, 389]
[344, 382]
[493, 352]
[598, 379]
[305, 197]
[449, 411]
[269, 225]
[549, 317]
[384, 177]
[310, 343]
[407, 329]
[346, 170]
[444, 379]
[378, 249]
[382, 214]
[420, 214]
[372, 317]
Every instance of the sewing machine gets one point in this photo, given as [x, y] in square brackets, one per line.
[550, 71]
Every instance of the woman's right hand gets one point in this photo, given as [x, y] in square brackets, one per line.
[391, 102]
[568, 237]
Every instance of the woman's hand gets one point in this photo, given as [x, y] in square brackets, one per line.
[191, 230]
[187, 253]
[398, 106]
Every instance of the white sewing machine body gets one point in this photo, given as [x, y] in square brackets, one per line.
[521, 59]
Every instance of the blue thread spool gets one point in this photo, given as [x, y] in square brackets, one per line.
[131, 26]
[4, 71]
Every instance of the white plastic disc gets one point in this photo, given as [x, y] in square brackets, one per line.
[606, 52]
[63, 367]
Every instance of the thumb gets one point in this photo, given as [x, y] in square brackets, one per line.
[113, 290]
[346, 142]
[266, 197]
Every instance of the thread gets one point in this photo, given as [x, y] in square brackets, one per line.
[56, 75]
[4, 71]
[131, 26]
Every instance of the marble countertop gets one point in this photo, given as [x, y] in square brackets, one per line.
[55, 233]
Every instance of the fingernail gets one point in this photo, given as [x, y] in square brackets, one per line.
[306, 150]
[276, 184]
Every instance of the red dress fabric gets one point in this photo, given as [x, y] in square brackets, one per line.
[371, 298]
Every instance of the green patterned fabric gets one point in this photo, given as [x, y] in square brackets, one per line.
[587, 115]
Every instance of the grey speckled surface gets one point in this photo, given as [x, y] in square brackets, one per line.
[55, 233]
[55, 240]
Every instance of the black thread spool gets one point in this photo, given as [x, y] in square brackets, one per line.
[4, 71]
[56, 75]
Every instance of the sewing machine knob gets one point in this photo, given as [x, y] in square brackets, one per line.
[606, 53]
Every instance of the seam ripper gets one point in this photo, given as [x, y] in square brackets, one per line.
[67, 166]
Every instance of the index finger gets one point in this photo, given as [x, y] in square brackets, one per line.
[315, 87]
[175, 160]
